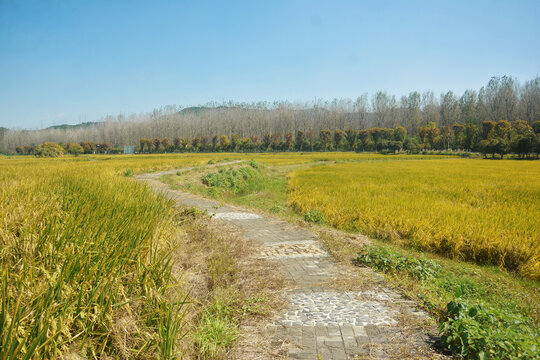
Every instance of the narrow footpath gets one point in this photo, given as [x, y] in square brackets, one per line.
[321, 322]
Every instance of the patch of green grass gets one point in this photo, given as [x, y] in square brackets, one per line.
[314, 216]
[477, 320]
[239, 181]
[277, 208]
[217, 328]
[255, 305]
[269, 194]
[253, 164]
[384, 260]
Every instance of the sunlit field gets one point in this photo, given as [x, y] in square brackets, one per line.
[478, 210]
[154, 162]
[424, 216]
[81, 263]
[85, 251]
[85, 257]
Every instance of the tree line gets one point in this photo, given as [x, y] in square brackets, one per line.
[503, 98]
[492, 137]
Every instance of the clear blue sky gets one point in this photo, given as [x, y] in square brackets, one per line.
[64, 61]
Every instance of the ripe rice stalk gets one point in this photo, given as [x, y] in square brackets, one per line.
[483, 211]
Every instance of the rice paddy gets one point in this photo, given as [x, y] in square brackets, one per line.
[483, 211]
[86, 253]
[81, 263]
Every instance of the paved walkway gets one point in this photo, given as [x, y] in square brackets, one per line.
[320, 322]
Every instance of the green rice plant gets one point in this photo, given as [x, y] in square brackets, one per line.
[170, 328]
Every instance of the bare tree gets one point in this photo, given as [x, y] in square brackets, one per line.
[501, 99]
[381, 107]
[467, 106]
[530, 101]
[430, 109]
[449, 109]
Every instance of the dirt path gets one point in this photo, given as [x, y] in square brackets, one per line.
[322, 321]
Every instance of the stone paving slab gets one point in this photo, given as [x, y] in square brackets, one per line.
[292, 249]
[335, 308]
[235, 216]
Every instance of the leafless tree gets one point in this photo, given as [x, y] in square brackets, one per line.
[502, 99]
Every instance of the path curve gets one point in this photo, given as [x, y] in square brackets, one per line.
[321, 322]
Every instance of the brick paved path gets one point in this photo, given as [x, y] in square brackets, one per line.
[320, 322]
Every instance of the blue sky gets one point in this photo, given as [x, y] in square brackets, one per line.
[66, 61]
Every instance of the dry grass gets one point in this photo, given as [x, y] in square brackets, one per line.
[222, 269]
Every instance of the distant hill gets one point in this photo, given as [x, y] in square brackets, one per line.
[198, 109]
[77, 126]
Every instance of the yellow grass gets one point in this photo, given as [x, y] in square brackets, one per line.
[480, 210]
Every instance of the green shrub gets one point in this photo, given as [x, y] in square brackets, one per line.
[213, 180]
[128, 173]
[388, 261]
[239, 181]
[253, 164]
[74, 149]
[49, 149]
[315, 216]
[474, 332]
[478, 332]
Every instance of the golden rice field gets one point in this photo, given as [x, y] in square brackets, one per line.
[85, 258]
[84, 263]
[85, 251]
[479, 210]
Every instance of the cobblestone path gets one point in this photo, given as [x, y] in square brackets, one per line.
[320, 322]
